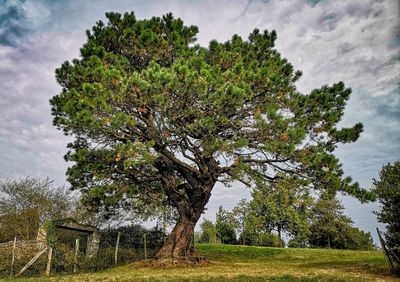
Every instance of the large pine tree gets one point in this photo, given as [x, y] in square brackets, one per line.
[154, 115]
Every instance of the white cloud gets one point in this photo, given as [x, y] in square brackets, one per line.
[30, 145]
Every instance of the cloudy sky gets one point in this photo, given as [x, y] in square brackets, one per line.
[357, 42]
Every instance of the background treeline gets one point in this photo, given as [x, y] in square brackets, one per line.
[284, 211]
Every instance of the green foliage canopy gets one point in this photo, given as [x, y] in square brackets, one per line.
[142, 93]
[284, 206]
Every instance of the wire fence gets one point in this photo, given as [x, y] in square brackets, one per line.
[69, 253]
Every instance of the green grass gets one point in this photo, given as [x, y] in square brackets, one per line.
[241, 263]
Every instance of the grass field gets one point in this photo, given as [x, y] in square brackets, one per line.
[242, 263]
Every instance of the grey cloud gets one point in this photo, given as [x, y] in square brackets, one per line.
[20, 17]
[11, 27]
[361, 10]
[345, 48]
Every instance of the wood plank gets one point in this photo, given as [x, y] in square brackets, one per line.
[32, 261]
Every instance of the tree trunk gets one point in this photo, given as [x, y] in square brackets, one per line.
[189, 198]
[280, 236]
[179, 241]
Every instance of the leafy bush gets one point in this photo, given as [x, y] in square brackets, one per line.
[269, 240]
[295, 243]
[264, 239]
[5, 261]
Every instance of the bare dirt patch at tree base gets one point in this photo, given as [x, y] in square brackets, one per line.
[192, 261]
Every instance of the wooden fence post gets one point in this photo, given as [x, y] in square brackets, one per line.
[13, 255]
[76, 255]
[145, 246]
[49, 258]
[116, 249]
[385, 251]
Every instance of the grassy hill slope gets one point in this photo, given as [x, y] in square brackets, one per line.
[242, 263]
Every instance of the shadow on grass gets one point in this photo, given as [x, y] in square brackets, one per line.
[248, 278]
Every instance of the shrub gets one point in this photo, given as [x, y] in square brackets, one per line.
[132, 237]
[270, 240]
[264, 239]
[24, 252]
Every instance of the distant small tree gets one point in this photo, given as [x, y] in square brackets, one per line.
[332, 229]
[225, 227]
[387, 187]
[240, 212]
[28, 202]
[208, 232]
[249, 235]
[249, 232]
[327, 221]
[283, 206]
